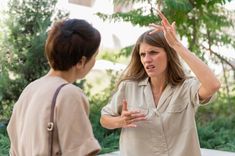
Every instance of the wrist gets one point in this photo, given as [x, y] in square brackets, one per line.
[177, 46]
[119, 122]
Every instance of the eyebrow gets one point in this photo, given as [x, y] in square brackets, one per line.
[154, 50]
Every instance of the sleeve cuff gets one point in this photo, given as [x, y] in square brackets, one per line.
[89, 146]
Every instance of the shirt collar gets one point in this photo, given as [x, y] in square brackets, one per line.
[144, 82]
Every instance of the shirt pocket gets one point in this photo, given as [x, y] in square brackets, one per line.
[177, 107]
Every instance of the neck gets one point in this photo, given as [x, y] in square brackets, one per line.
[66, 75]
[158, 84]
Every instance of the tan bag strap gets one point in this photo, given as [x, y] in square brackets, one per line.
[50, 126]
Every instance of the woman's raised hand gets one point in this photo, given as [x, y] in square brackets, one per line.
[128, 118]
[168, 30]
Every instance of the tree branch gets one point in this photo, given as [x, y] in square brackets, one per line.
[220, 57]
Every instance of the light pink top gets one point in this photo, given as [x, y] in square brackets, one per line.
[27, 128]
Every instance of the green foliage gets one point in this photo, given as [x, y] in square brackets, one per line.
[109, 55]
[222, 106]
[4, 140]
[216, 124]
[108, 139]
[22, 49]
[136, 17]
[218, 134]
[4, 145]
[21, 53]
[126, 51]
[28, 21]
[198, 21]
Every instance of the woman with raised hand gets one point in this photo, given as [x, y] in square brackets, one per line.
[155, 101]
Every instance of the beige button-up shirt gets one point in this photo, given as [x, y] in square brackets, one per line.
[170, 128]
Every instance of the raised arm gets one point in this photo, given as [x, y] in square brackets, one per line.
[209, 83]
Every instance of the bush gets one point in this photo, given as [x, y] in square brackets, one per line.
[216, 124]
[108, 139]
[218, 134]
[4, 140]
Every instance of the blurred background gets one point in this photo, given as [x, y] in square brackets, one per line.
[206, 27]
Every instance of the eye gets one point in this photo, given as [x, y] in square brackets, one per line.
[153, 52]
[142, 54]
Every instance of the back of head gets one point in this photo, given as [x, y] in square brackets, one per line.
[68, 41]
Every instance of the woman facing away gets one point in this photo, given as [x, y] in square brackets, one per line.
[71, 49]
[155, 102]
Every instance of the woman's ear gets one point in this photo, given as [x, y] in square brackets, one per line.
[82, 62]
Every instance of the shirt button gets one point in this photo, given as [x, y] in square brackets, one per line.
[155, 112]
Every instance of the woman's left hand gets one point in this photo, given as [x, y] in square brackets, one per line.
[168, 30]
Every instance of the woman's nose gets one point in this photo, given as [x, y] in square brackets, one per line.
[147, 58]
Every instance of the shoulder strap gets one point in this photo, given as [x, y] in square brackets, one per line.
[50, 126]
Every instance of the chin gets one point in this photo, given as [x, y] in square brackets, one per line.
[152, 75]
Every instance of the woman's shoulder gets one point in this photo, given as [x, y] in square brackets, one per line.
[190, 79]
[188, 82]
[128, 82]
[125, 83]
[73, 90]
[136, 82]
[73, 94]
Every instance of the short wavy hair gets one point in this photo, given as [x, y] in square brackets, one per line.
[68, 41]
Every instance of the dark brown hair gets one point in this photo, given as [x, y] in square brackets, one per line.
[135, 70]
[69, 40]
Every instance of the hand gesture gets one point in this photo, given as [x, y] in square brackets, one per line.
[168, 30]
[128, 118]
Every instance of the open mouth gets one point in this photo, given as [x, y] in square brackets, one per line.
[149, 67]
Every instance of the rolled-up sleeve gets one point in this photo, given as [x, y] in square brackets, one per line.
[193, 86]
[87, 147]
[113, 108]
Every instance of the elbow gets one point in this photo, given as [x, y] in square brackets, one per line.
[102, 122]
[216, 86]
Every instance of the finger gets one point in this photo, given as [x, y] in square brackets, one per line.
[155, 30]
[130, 126]
[138, 119]
[129, 119]
[124, 105]
[163, 17]
[138, 112]
[165, 27]
[174, 27]
[155, 25]
[136, 115]
[173, 24]
[126, 114]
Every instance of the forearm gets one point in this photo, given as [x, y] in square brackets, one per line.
[110, 122]
[199, 68]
